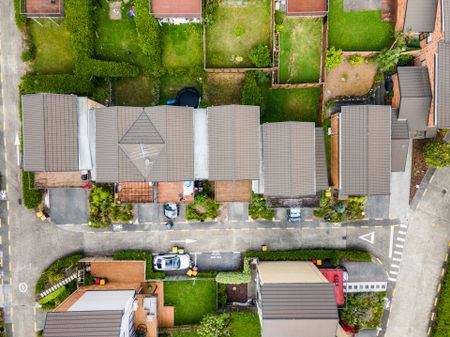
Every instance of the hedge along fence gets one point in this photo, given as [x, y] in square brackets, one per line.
[236, 277]
[80, 24]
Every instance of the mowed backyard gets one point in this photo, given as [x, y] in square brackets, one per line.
[235, 28]
[357, 30]
[301, 50]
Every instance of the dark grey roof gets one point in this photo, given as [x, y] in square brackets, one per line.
[50, 133]
[365, 272]
[298, 301]
[289, 159]
[443, 84]
[420, 16]
[415, 96]
[151, 144]
[365, 150]
[321, 161]
[233, 142]
[86, 324]
[446, 20]
[399, 143]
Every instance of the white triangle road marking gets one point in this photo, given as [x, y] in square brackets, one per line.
[369, 237]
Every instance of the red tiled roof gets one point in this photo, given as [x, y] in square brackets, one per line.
[330, 275]
[177, 8]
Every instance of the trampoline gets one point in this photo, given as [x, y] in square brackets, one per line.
[188, 97]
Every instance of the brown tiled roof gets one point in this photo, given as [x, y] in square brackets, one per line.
[144, 144]
[304, 7]
[234, 143]
[415, 96]
[420, 16]
[176, 8]
[50, 133]
[443, 84]
[365, 150]
[289, 159]
[233, 191]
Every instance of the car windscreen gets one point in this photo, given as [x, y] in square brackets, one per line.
[173, 262]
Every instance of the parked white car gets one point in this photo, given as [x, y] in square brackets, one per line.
[169, 262]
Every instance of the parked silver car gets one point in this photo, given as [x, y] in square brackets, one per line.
[168, 262]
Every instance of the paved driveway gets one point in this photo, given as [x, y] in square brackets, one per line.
[69, 205]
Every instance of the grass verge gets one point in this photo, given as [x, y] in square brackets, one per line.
[357, 30]
[441, 327]
[192, 299]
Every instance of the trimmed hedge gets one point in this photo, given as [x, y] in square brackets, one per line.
[21, 20]
[92, 67]
[251, 92]
[148, 31]
[57, 84]
[140, 255]
[334, 256]
[80, 24]
[54, 299]
[31, 197]
[236, 277]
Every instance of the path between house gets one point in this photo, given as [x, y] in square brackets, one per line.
[362, 5]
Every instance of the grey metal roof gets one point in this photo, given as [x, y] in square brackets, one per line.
[50, 132]
[365, 272]
[443, 84]
[144, 144]
[289, 159]
[399, 143]
[365, 150]
[302, 301]
[420, 16]
[321, 161]
[415, 96]
[399, 126]
[234, 142]
[85, 323]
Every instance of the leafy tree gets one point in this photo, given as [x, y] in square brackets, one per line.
[202, 208]
[388, 58]
[437, 153]
[334, 58]
[260, 56]
[214, 326]
[355, 59]
[258, 208]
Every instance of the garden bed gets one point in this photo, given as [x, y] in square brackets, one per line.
[237, 292]
[419, 166]
[357, 30]
[192, 299]
[363, 311]
[301, 50]
[233, 28]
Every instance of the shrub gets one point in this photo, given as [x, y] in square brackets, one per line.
[222, 298]
[21, 20]
[251, 93]
[334, 256]
[209, 10]
[437, 153]
[279, 17]
[202, 208]
[140, 255]
[92, 67]
[257, 209]
[148, 31]
[334, 58]
[32, 197]
[405, 59]
[238, 30]
[27, 55]
[56, 272]
[260, 56]
[236, 277]
[363, 311]
[214, 326]
[50, 297]
[57, 84]
[57, 297]
[355, 59]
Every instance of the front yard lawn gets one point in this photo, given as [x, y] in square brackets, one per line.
[116, 40]
[236, 28]
[301, 50]
[293, 105]
[192, 299]
[357, 30]
[182, 45]
[53, 49]
[136, 91]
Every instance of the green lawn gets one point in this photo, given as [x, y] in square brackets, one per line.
[182, 45]
[358, 30]
[235, 31]
[115, 40]
[292, 105]
[192, 299]
[137, 91]
[53, 49]
[301, 50]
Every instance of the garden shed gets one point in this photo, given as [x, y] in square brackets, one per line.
[42, 8]
[307, 7]
[176, 8]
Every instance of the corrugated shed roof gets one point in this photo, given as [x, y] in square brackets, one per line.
[415, 96]
[149, 144]
[86, 324]
[50, 132]
[234, 143]
[289, 159]
[420, 16]
[365, 150]
[298, 301]
[321, 161]
[443, 84]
